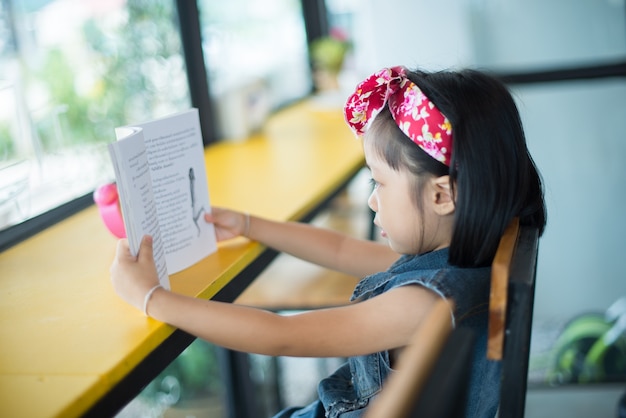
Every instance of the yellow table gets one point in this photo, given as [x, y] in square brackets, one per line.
[66, 339]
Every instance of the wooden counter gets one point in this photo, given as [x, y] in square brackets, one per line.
[66, 339]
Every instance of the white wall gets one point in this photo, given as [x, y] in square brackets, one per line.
[428, 34]
[577, 134]
[576, 130]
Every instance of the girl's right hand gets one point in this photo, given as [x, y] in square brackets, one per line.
[132, 277]
[228, 223]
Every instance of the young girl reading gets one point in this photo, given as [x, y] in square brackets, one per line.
[451, 169]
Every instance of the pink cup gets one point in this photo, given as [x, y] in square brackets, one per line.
[107, 200]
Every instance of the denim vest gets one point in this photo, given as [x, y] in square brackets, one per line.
[347, 392]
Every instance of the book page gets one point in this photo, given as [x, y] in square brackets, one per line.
[180, 187]
[130, 162]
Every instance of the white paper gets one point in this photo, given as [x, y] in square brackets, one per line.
[166, 156]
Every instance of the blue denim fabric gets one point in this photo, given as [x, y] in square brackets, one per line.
[347, 392]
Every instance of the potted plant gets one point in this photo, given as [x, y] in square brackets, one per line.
[327, 56]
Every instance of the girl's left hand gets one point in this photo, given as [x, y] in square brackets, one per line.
[133, 277]
[228, 223]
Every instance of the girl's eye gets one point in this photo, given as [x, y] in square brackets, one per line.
[374, 183]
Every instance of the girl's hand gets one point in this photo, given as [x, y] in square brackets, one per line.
[133, 277]
[228, 223]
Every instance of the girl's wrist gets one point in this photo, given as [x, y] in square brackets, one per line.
[148, 297]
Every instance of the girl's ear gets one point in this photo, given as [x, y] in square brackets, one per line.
[443, 201]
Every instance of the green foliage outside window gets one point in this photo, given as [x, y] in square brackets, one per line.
[128, 70]
[140, 65]
[68, 78]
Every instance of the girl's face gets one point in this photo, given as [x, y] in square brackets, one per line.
[407, 229]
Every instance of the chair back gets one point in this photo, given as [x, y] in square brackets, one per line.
[433, 372]
[445, 393]
[432, 367]
[511, 312]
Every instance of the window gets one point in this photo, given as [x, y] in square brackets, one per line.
[70, 72]
[527, 35]
[572, 106]
[256, 57]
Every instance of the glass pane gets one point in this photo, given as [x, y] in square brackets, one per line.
[341, 23]
[190, 386]
[341, 16]
[542, 34]
[574, 133]
[257, 59]
[70, 72]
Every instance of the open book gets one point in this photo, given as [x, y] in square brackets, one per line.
[162, 184]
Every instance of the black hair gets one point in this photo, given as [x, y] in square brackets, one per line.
[493, 177]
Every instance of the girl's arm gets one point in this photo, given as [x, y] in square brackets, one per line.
[384, 322]
[330, 249]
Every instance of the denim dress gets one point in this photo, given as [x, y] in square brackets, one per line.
[348, 391]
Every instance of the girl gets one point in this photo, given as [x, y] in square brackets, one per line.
[450, 168]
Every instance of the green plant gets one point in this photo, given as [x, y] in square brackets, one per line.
[194, 373]
[328, 53]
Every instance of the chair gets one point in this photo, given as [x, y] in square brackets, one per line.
[510, 314]
[445, 393]
[432, 371]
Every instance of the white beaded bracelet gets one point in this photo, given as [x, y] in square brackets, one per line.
[147, 298]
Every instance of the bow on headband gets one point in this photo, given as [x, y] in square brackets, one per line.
[413, 112]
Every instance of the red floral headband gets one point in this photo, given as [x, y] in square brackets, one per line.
[413, 112]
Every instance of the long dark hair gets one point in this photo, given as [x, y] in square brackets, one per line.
[492, 174]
